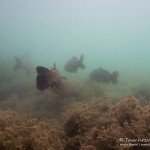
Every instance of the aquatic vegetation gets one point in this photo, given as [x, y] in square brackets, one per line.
[142, 92]
[19, 85]
[78, 115]
[27, 132]
[49, 105]
[99, 124]
[94, 124]
[85, 103]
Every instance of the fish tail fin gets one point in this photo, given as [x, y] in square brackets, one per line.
[18, 64]
[114, 77]
[81, 65]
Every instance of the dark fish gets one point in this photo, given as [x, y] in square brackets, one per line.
[102, 75]
[51, 78]
[19, 64]
[74, 63]
[47, 78]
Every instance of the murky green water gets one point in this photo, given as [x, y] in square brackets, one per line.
[113, 34]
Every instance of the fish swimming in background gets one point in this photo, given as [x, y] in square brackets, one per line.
[102, 75]
[47, 78]
[19, 64]
[74, 63]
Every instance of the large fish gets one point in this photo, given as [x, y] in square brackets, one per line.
[74, 63]
[51, 78]
[102, 75]
[47, 78]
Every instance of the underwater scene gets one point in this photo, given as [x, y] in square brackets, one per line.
[74, 74]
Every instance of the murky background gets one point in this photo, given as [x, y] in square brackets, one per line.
[111, 34]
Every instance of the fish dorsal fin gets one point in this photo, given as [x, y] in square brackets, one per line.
[54, 66]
